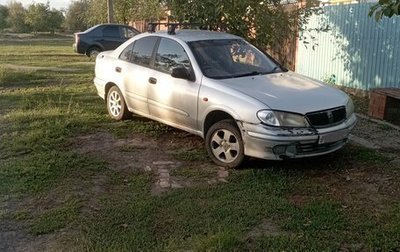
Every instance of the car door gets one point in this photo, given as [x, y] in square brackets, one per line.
[134, 68]
[171, 99]
[111, 38]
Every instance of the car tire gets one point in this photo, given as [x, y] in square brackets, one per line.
[93, 52]
[224, 144]
[116, 105]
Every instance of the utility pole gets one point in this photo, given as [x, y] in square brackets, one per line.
[110, 12]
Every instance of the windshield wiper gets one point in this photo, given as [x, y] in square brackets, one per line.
[274, 70]
[248, 74]
[257, 72]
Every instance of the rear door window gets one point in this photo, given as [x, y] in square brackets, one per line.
[96, 32]
[143, 50]
[111, 31]
[126, 54]
[128, 33]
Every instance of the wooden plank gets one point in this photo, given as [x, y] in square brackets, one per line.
[392, 92]
[377, 104]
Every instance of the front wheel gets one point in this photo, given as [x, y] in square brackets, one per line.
[116, 104]
[224, 144]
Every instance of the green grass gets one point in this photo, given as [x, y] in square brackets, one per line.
[194, 172]
[47, 184]
[385, 127]
[220, 218]
[367, 155]
[55, 218]
[190, 155]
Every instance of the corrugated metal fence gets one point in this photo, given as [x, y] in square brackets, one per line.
[355, 52]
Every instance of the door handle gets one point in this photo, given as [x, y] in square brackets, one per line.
[118, 69]
[152, 80]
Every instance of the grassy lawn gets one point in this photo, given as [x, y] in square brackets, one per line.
[78, 180]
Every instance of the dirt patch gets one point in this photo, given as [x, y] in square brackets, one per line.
[355, 187]
[135, 152]
[361, 189]
[369, 189]
[368, 182]
[14, 235]
[143, 153]
[14, 238]
[97, 189]
[382, 135]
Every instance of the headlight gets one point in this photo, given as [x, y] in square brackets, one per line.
[268, 117]
[349, 108]
[283, 119]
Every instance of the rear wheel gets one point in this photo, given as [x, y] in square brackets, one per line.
[224, 144]
[93, 52]
[116, 105]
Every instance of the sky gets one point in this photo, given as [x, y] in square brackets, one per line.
[58, 4]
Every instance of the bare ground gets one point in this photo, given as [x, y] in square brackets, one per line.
[355, 187]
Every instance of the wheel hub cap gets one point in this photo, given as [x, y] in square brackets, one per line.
[225, 146]
[115, 103]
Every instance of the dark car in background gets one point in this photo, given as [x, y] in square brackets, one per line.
[102, 37]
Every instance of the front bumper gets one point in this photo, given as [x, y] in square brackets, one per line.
[277, 143]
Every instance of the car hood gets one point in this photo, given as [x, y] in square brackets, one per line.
[289, 92]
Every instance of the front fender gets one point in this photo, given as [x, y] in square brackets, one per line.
[216, 97]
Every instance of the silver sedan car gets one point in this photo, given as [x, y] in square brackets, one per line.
[220, 87]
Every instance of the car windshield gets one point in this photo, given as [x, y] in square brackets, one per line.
[231, 58]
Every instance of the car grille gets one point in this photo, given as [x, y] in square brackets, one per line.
[317, 148]
[326, 118]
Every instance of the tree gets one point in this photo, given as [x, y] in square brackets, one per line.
[388, 8]
[265, 23]
[3, 16]
[37, 16]
[97, 12]
[125, 11]
[76, 16]
[56, 19]
[16, 17]
[145, 9]
[42, 19]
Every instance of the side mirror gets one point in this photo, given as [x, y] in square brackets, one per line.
[182, 73]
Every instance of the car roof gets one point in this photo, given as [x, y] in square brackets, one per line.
[196, 35]
[102, 25]
[180, 35]
[112, 24]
